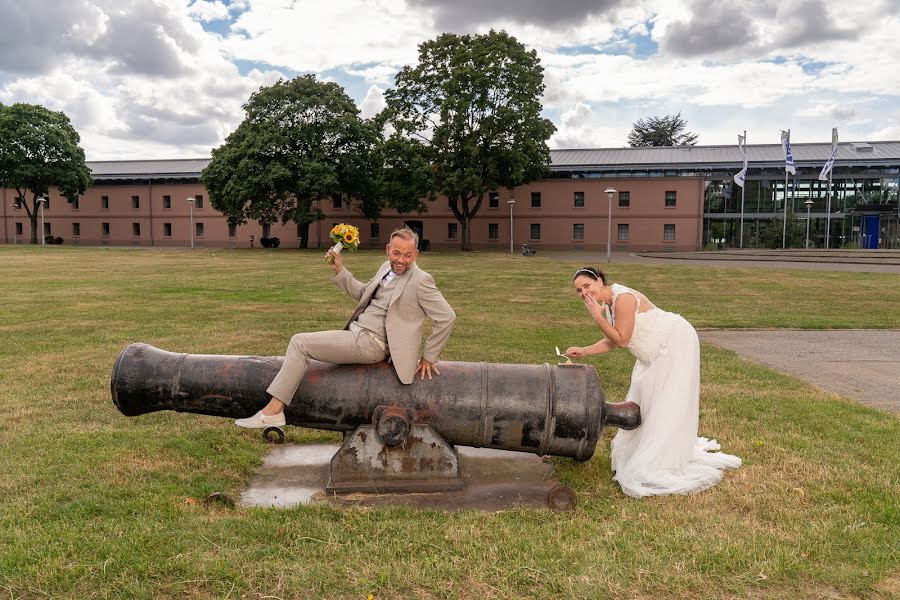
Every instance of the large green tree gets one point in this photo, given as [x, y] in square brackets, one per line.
[38, 150]
[669, 130]
[470, 110]
[301, 141]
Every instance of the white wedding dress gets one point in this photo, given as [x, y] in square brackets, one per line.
[664, 455]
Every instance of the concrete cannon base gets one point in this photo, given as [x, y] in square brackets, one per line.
[493, 480]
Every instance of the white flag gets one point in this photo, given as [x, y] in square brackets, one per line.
[830, 162]
[788, 156]
[742, 174]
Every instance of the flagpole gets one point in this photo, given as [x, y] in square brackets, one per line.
[741, 245]
[828, 210]
[784, 224]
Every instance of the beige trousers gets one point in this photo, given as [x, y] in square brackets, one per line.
[338, 347]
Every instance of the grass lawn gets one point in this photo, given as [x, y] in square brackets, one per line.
[94, 504]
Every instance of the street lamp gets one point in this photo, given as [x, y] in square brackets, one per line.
[191, 205]
[42, 202]
[808, 203]
[609, 194]
[15, 224]
[511, 202]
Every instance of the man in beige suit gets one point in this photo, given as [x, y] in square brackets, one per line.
[387, 321]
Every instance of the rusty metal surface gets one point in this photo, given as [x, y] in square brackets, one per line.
[541, 409]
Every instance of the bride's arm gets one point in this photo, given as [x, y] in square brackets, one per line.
[620, 334]
[601, 347]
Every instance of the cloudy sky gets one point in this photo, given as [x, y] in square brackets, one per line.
[167, 78]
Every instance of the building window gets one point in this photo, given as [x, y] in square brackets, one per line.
[104, 227]
[535, 199]
[337, 202]
[374, 231]
[75, 204]
[167, 201]
[167, 230]
[267, 230]
[535, 231]
[232, 231]
[670, 200]
[198, 200]
[624, 199]
[104, 202]
[18, 229]
[136, 229]
[669, 232]
[579, 200]
[493, 231]
[76, 229]
[47, 202]
[451, 231]
[135, 202]
[493, 199]
[47, 229]
[578, 231]
[199, 229]
[623, 232]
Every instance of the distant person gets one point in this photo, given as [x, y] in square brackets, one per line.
[387, 321]
[663, 455]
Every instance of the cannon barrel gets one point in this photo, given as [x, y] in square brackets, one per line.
[543, 409]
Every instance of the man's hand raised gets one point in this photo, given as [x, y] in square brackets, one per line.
[337, 263]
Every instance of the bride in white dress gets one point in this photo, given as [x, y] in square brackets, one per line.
[663, 455]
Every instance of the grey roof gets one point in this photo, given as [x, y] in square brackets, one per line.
[184, 168]
[698, 156]
[849, 153]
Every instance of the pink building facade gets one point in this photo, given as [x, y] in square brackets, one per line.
[162, 203]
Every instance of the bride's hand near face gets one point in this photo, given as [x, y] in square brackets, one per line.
[594, 307]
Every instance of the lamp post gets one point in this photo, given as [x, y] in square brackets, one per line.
[42, 202]
[190, 202]
[511, 202]
[15, 224]
[808, 203]
[609, 194]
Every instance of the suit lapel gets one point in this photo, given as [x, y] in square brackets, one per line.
[401, 285]
[373, 285]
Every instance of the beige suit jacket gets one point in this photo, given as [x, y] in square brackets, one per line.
[415, 297]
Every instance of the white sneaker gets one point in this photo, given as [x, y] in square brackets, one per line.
[261, 421]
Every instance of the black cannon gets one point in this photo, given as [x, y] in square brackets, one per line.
[543, 409]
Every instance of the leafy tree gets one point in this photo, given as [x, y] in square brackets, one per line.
[661, 131]
[301, 141]
[467, 120]
[771, 236]
[39, 149]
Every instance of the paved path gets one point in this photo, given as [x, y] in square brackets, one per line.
[863, 261]
[863, 364]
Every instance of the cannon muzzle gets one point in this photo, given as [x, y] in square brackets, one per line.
[543, 409]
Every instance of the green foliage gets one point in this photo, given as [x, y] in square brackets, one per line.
[661, 131]
[774, 233]
[301, 141]
[39, 149]
[471, 110]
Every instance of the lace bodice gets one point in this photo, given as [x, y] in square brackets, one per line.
[649, 339]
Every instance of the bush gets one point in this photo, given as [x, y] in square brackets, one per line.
[49, 239]
[269, 242]
[424, 245]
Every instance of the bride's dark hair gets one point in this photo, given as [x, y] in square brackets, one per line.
[592, 272]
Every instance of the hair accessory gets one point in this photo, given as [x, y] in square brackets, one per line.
[589, 272]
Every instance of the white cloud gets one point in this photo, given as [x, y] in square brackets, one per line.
[373, 103]
[206, 11]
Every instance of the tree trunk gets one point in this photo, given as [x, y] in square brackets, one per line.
[304, 235]
[34, 227]
[465, 239]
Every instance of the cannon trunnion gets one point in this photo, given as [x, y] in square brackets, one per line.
[397, 437]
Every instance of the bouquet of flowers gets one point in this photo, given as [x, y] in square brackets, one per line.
[344, 236]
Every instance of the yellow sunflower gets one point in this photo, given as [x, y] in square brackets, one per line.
[349, 237]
